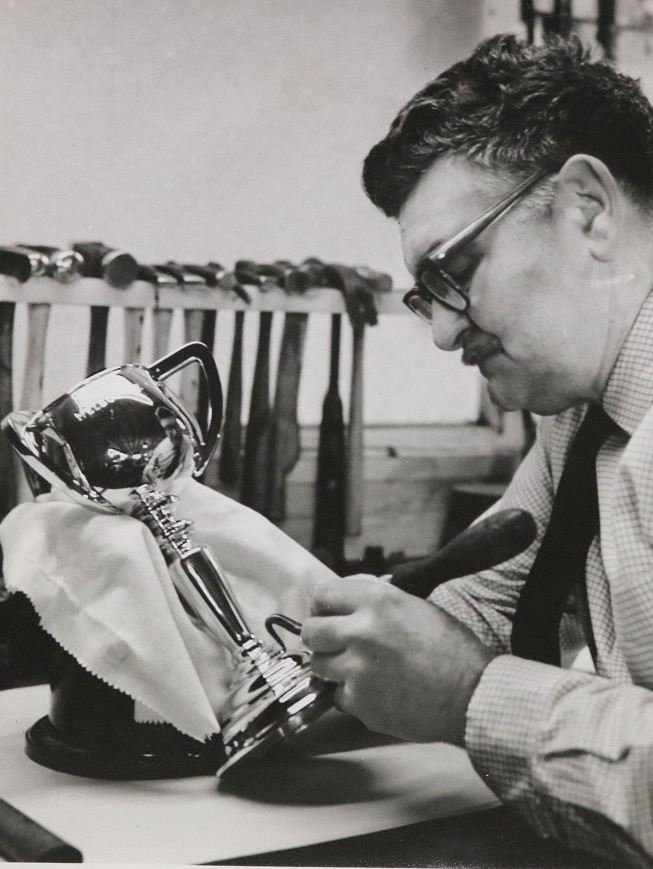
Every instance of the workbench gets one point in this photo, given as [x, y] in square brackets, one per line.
[335, 795]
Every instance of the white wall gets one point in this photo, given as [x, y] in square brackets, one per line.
[221, 129]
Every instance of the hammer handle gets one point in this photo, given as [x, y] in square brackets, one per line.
[485, 544]
[232, 431]
[133, 334]
[162, 320]
[8, 493]
[284, 447]
[254, 491]
[354, 479]
[191, 376]
[207, 336]
[22, 839]
[329, 521]
[97, 342]
[38, 319]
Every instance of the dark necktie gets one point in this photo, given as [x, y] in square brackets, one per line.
[559, 566]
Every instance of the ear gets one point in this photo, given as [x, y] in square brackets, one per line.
[590, 197]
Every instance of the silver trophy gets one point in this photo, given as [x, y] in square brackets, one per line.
[121, 441]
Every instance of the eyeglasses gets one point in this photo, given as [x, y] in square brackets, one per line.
[442, 273]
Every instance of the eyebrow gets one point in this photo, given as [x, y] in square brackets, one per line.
[416, 261]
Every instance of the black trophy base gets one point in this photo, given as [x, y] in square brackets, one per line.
[91, 732]
[154, 751]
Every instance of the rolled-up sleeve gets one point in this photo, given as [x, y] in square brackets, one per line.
[570, 751]
[486, 601]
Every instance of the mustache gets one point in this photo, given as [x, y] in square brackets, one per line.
[478, 346]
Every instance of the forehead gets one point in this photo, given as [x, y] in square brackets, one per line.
[449, 195]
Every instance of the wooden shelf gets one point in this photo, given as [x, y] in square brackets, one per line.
[93, 291]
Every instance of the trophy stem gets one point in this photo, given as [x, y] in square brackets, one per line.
[273, 693]
[195, 572]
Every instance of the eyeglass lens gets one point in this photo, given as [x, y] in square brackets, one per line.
[420, 306]
[444, 291]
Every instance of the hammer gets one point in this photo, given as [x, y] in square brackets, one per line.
[118, 268]
[229, 467]
[487, 543]
[284, 443]
[357, 285]
[254, 480]
[161, 317]
[62, 265]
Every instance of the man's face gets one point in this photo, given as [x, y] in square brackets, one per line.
[527, 326]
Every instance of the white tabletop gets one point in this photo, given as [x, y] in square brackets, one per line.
[332, 781]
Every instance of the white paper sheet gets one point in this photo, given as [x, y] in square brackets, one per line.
[332, 781]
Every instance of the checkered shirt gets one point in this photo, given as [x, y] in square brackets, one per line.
[572, 751]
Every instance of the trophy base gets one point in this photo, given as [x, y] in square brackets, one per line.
[155, 751]
[257, 746]
[91, 732]
[265, 709]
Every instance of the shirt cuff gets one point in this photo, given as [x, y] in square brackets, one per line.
[504, 717]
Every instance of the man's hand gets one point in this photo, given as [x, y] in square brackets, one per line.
[403, 666]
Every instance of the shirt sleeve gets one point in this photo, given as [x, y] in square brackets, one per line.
[571, 752]
[486, 601]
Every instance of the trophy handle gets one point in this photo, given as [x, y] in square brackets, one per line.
[195, 351]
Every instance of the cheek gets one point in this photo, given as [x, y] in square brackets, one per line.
[519, 298]
[504, 294]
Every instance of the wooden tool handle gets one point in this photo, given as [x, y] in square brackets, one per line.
[190, 377]
[232, 430]
[38, 319]
[162, 321]
[255, 458]
[207, 336]
[483, 545]
[97, 342]
[354, 478]
[8, 494]
[329, 520]
[23, 840]
[133, 334]
[284, 446]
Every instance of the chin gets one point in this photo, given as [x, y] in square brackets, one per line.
[541, 404]
[510, 397]
[504, 398]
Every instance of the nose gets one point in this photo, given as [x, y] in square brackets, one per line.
[448, 327]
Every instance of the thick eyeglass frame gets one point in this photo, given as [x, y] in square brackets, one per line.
[433, 283]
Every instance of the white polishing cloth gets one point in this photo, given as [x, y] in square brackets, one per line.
[102, 590]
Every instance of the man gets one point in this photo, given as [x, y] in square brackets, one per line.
[550, 296]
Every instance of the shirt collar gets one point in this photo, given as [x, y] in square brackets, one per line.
[629, 393]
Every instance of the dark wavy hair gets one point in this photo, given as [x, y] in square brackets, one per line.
[516, 107]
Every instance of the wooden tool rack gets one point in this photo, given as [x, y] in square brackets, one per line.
[409, 471]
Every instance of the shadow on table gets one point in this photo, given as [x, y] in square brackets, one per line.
[490, 839]
[303, 773]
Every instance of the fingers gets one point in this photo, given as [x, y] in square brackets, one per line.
[343, 597]
[328, 667]
[323, 634]
[331, 668]
[342, 610]
[328, 628]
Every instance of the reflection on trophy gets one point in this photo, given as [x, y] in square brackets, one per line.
[122, 442]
